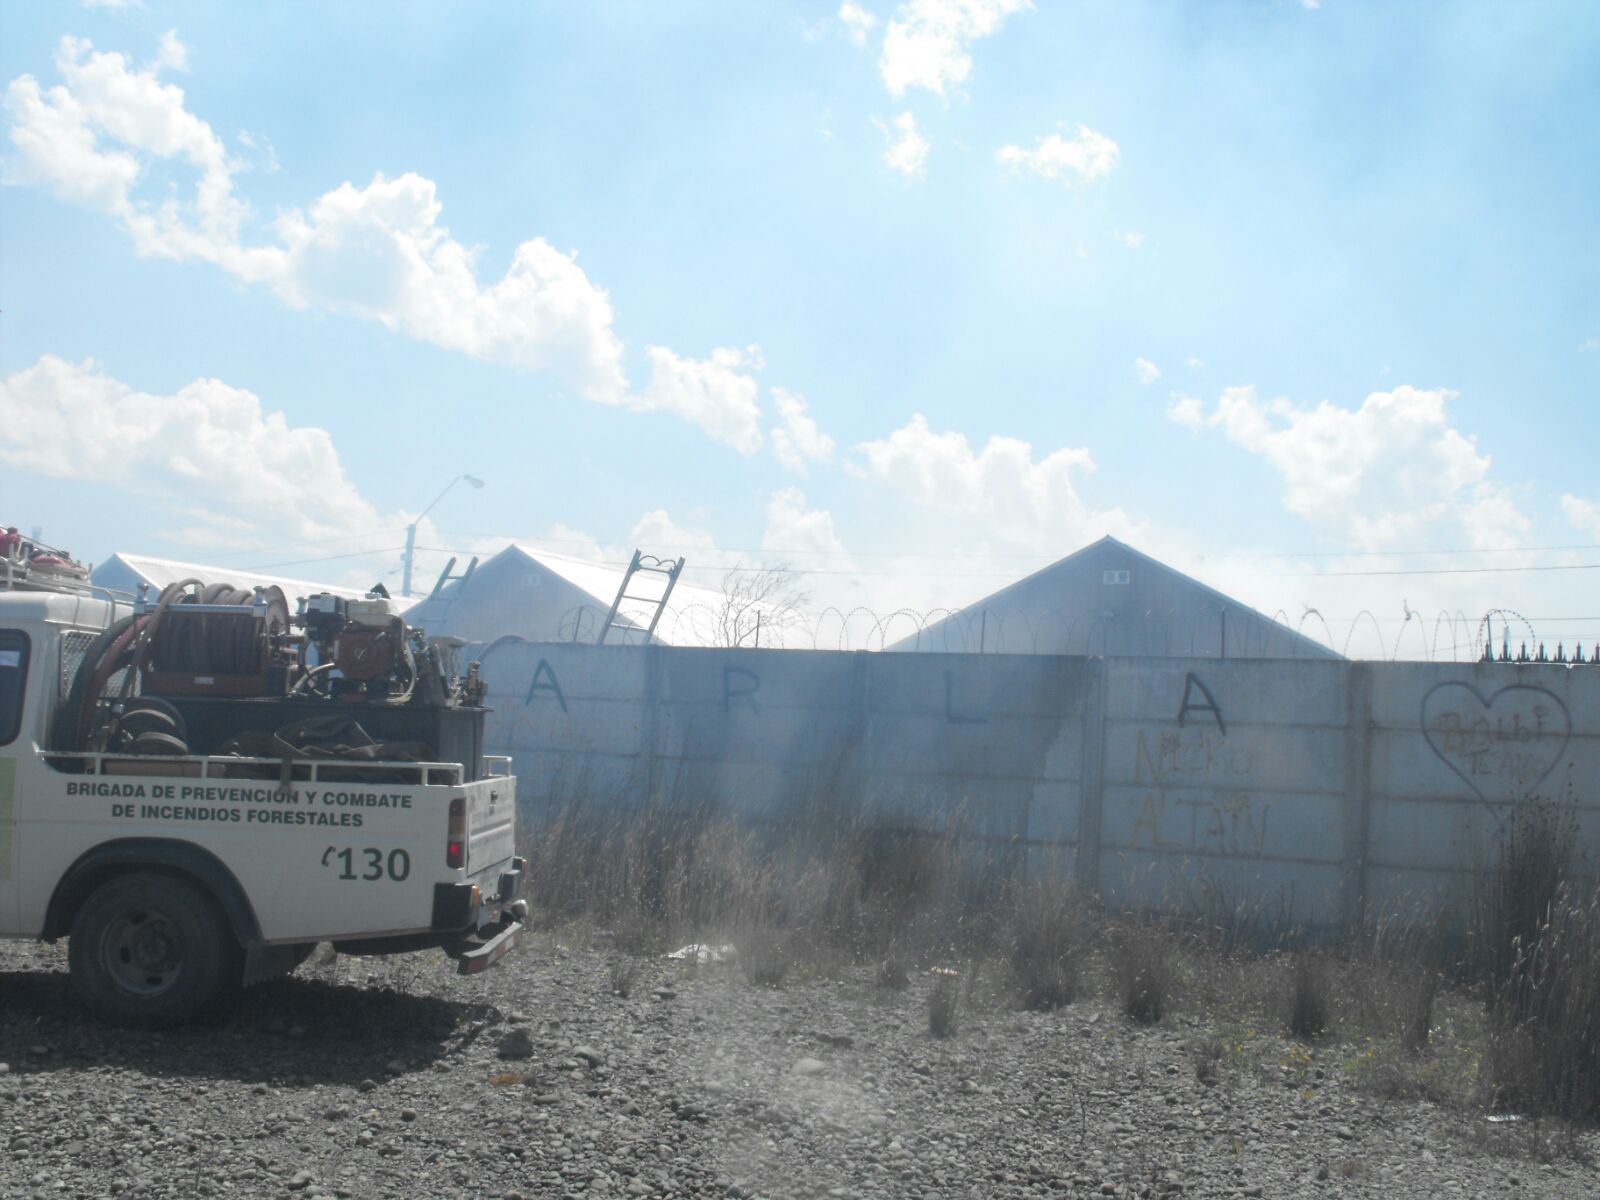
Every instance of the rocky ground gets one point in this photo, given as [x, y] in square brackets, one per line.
[396, 1078]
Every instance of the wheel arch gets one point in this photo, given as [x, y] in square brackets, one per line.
[110, 859]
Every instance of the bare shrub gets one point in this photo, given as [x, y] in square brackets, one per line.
[765, 956]
[650, 875]
[1544, 1047]
[1512, 906]
[1395, 977]
[944, 1003]
[892, 974]
[623, 973]
[1046, 938]
[1206, 1055]
[1144, 967]
[1309, 995]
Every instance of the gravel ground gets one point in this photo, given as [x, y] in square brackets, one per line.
[364, 1077]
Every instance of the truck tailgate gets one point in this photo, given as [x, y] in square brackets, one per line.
[491, 826]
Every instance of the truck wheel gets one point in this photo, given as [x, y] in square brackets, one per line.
[152, 950]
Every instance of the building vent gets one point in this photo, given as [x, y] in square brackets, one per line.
[1113, 577]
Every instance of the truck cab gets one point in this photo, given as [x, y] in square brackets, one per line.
[197, 789]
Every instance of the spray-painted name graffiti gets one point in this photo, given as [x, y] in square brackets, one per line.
[1212, 814]
[1218, 823]
[1187, 755]
[1502, 746]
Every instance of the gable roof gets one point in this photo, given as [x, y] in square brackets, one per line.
[125, 572]
[542, 597]
[1109, 598]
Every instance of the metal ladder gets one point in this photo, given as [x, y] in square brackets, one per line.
[642, 564]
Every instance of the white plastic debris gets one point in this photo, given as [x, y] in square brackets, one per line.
[701, 953]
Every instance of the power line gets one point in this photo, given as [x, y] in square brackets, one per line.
[1426, 571]
[332, 541]
[294, 562]
[1034, 556]
[1011, 575]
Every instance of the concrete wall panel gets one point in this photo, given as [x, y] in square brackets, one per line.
[1316, 791]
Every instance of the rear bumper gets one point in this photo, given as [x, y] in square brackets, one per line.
[462, 907]
[473, 927]
[487, 947]
[480, 929]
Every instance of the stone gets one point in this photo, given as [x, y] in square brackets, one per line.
[516, 1043]
[589, 1056]
[300, 1180]
[808, 1066]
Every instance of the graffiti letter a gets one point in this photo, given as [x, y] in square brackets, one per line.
[544, 680]
[1189, 705]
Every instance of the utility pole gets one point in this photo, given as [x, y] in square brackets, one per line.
[411, 530]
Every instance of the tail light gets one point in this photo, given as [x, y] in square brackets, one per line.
[455, 847]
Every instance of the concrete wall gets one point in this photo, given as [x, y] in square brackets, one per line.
[1310, 792]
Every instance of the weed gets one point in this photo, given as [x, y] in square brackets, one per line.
[1544, 1047]
[892, 974]
[624, 971]
[1046, 923]
[1514, 901]
[1142, 961]
[1206, 1055]
[765, 957]
[944, 1003]
[1309, 995]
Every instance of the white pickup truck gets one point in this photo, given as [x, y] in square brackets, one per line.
[190, 833]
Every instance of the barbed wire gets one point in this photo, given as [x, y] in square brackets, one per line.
[1502, 635]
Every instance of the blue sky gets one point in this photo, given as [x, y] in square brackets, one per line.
[918, 296]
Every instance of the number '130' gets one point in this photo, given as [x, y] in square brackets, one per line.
[368, 863]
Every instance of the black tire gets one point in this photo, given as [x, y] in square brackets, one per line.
[158, 744]
[151, 950]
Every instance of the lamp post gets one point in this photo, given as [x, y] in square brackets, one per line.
[411, 530]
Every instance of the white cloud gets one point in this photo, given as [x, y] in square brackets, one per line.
[857, 22]
[1393, 474]
[657, 532]
[1194, 363]
[926, 41]
[1583, 515]
[110, 136]
[1589, 344]
[380, 252]
[171, 54]
[1187, 411]
[1145, 371]
[907, 151]
[1131, 238]
[714, 393]
[794, 529]
[1083, 159]
[798, 440]
[210, 449]
[1016, 498]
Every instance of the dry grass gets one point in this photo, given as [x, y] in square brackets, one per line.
[1308, 995]
[766, 956]
[622, 974]
[1144, 965]
[827, 891]
[1046, 940]
[944, 1005]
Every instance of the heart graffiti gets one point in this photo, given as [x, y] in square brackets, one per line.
[1503, 746]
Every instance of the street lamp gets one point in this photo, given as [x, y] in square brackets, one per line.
[411, 530]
